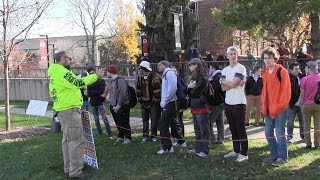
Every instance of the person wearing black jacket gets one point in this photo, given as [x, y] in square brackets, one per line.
[197, 90]
[216, 105]
[95, 92]
[84, 93]
[294, 103]
[253, 89]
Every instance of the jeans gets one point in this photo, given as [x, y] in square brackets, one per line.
[169, 119]
[85, 106]
[202, 131]
[291, 114]
[154, 112]
[216, 116]
[121, 118]
[236, 118]
[277, 145]
[96, 110]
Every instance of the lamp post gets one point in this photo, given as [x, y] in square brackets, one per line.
[53, 53]
[47, 46]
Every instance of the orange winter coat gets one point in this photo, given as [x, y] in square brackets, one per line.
[275, 95]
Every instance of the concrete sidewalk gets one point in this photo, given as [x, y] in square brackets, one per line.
[254, 133]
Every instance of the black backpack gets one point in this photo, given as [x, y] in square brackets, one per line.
[181, 92]
[132, 95]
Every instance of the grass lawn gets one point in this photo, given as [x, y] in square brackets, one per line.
[25, 120]
[41, 158]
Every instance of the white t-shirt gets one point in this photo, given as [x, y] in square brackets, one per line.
[235, 95]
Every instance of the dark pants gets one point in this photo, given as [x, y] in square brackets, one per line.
[236, 118]
[121, 118]
[202, 131]
[167, 119]
[180, 119]
[154, 112]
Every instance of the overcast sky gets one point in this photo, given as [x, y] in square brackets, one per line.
[57, 21]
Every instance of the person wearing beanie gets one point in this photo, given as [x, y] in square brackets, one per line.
[235, 104]
[197, 90]
[119, 104]
[168, 104]
[148, 94]
[95, 92]
[275, 98]
[309, 88]
[216, 106]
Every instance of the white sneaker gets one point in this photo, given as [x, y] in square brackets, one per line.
[154, 139]
[119, 140]
[126, 141]
[192, 152]
[165, 151]
[202, 154]
[242, 158]
[231, 154]
[144, 139]
[180, 145]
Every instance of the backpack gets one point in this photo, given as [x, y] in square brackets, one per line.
[131, 92]
[210, 93]
[181, 92]
[317, 96]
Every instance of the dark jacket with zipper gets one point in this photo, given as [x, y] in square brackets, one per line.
[252, 87]
[95, 91]
[219, 95]
[295, 90]
[197, 94]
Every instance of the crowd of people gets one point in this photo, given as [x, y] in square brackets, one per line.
[163, 95]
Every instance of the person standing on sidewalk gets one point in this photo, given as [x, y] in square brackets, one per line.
[295, 102]
[148, 94]
[235, 109]
[216, 107]
[168, 104]
[309, 88]
[64, 89]
[95, 92]
[119, 104]
[253, 90]
[276, 94]
[197, 90]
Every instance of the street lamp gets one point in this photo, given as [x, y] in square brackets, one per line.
[47, 46]
[53, 52]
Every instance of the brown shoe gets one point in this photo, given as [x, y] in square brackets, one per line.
[83, 175]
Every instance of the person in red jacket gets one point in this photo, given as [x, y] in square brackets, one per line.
[276, 94]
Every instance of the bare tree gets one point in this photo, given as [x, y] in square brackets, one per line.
[90, 15]
[17, 17]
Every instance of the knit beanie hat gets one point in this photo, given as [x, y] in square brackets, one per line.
[112, 69]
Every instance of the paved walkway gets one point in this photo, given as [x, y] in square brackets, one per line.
[136, 123]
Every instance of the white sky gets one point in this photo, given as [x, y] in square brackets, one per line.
[57, 21]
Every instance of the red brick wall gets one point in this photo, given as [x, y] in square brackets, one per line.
[212, 35]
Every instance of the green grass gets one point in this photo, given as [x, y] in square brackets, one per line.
[41, 158]
[22, 104]
[25, 120]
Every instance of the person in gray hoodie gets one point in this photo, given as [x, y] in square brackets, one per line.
[168, 104]
[119, 104]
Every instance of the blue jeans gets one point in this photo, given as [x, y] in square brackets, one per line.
[291, 113]
[277, 145]
[102, 110]
[202, 131]
[85, 106]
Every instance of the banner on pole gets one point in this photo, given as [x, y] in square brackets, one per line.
[43, 50]
[176, 21]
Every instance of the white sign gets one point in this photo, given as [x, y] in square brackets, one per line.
[89, 156]
[37, 108]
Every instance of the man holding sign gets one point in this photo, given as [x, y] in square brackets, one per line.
[64, 88]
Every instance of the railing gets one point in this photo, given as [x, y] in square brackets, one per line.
[130, 70]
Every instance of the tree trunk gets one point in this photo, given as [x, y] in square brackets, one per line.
[315, 34]
[93, 48]
[6, 91]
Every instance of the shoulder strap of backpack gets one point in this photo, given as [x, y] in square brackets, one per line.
[279, 74]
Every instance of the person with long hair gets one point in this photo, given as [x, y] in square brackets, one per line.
[197, 90]
[232, 80]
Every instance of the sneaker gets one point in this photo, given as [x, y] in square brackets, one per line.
[289, 140]
[162, 151]
[202, 154]
[144, 139]
[126, 141]
[231, 154]
[82, 175]
[154, 139]
[111, 137]
[192, 152]
[119, 140]
[279, 162]
[242, 158]
[269, 160]
[180, 145]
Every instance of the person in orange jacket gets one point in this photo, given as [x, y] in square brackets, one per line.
[276, 94]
